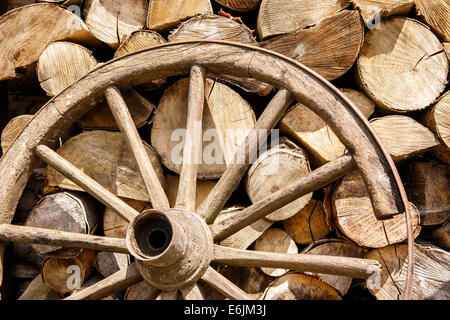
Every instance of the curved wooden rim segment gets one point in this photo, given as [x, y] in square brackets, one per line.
[373, 161]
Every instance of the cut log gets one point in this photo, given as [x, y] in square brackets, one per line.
[275, 240]
[164, 15]
[330, 48]
[61, 64]
[26, 253]
[12, 130]
[116, 227]
[355, 218]
[38, 290]
[297, 286]
[204, 187]
[111, 21]
[141, 291]
[64, 211]
[63, 275]
[403, 137]
[28, 30]
[12, 4]
[431, 273]
[438, 120]
[284, 16]
[337, 248]
[105, 157]
[436, 14]
[21, 270]
[227, 119]
[309, 224]
[101, 117]
[373, 10]
[402, 65]
[214, 27]
[276, 168]
[441, 236]
[428, 187]
[108, 263]
[447, 49]
[140, 40]
[240, 5]
[304, 126]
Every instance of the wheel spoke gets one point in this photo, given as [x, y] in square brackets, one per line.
[169, 295]
[192, 292]
[42, 236]
[125, 122]
[115, 283]
[87, 183]
[335, 265]
[317, 179]
[193, 142]
[223, 285]
[214, 202]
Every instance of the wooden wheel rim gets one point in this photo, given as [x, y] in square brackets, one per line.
[217, 57]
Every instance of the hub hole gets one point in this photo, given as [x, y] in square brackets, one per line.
[153, 234]
[158, 239]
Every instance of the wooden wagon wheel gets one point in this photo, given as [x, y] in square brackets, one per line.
[173, 247]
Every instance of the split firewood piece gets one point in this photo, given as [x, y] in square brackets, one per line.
[104, 156]
[28, 30]
[303, 125]
[337, 248]
[61, 64]
[298, 286]
[355, 218]
[64, 211]
[279, 17]
[330, 48]
[108, 263]
[141, 291]
[309, 224]
[436, 14]
[66, 275]
[275, 240]
[199, 28]
[101, 117]
[111, 21]
[38, 290]
[140, 40]
[204, 187]
[280, 166]
[115, 226]
[240, 5]
[403, 137]
[438, 120]
[428, 187]
[12, 130]
[373, 10]
[402, 65]
[227, 119]
[251, 280]
[441, 236]
[164, 15]
[431, 272]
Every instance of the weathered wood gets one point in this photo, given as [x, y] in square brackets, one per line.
[275, 240]
[441, 236]
[112, 21]
[240, 5]
[226, 121]
[203, 188]
[437, 15]
[430, 277]
[447, 49]
[115, 226]
[428, 187]
[13, 129]
[223, 285]
[354, 216]
[65, 211]
[309, 224]
[105, 157]
[373, 10]
[108, 263]
[251, 280]
[192, 292]
[279, 17]
[150, 173]
[38, 290]
[164, 15]
[281, 165]
[30, 29]
[438, 120]
[329, 48]
[61, 64]
[416, 52]
[141, 291]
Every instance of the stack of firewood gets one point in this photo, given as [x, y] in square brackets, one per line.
[389, 57]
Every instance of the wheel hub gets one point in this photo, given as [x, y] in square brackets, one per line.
[173, 249]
